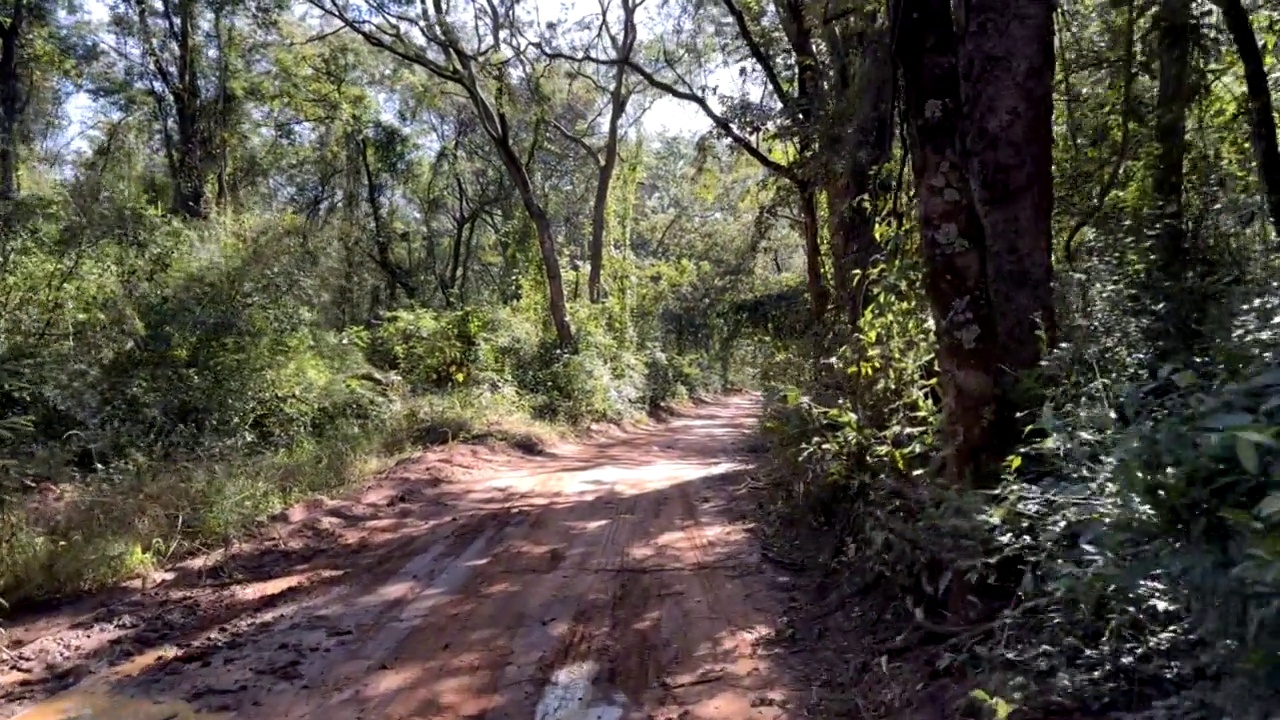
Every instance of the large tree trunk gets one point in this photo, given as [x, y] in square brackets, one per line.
[859, 140]
[984, 210]
[1006, 86]
[1261, 110]
[952, 237]
[1175, 330]
[10, 99]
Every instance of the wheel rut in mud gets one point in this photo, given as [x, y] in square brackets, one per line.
[612, 579]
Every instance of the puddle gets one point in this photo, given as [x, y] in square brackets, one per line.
[573, 694]
[102, 706]
[85, 702]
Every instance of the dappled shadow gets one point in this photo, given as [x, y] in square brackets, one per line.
[461, 598]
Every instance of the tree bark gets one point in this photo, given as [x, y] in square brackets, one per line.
[1261, 110]
[984, 211]
[952, 237]
[1006, 85]
[551, 264]
[859, 141]
[10, 99]
[819, 297]
[1175, 328]
[189, 186]
[619, 98]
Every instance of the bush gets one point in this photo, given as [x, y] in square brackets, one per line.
[174, 382]
[433, 350]
[566, 386]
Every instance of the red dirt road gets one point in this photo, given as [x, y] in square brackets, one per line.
[609, 580]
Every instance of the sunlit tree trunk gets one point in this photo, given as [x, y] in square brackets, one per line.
[1261, 110]
[11, 28]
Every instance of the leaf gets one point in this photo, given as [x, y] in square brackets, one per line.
[1247, 452]
[1269, 507]
[999, 706]
[1267, 379]
[1258, 437]
[1227, 421]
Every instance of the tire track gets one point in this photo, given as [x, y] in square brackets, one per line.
[572, 584]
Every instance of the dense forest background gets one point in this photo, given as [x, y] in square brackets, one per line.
[1005, 272]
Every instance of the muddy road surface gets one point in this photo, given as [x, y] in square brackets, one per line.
[612, 579]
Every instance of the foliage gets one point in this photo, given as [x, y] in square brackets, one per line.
[167, 382]
[224, 288]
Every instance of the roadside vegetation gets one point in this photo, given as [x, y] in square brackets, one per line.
[1006, 280]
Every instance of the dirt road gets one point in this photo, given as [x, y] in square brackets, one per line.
[610, 580]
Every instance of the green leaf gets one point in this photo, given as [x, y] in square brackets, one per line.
[1247, 452]
[1258, 437]
[1269, 507]
[1227, 421]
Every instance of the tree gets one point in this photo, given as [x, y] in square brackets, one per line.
[618, 91]
[1176, 93]
[1261, 110]
[979, 110]
[443, 54]
[189, 87]
[13, 23]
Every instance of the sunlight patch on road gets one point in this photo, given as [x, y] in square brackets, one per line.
[570, 693]
[638, 479]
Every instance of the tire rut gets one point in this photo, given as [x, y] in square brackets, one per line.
[591, 590]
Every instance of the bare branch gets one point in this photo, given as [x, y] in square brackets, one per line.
[576, 140]
[721, 123]
[757, 52]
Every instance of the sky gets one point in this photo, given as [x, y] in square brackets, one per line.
[666, 115]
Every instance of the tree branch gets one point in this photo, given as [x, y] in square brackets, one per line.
[720, 122]
[758, 53]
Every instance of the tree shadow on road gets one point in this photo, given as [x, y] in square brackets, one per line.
[461, 599]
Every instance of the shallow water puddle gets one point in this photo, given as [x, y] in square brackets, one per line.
[84, 702]
[102, 706]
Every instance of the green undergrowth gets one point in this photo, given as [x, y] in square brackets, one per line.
[92, 533]
[164, 386]
[1128, 565]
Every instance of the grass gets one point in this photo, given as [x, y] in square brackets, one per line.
[121, 524]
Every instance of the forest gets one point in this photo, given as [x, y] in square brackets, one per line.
[1004, 272]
